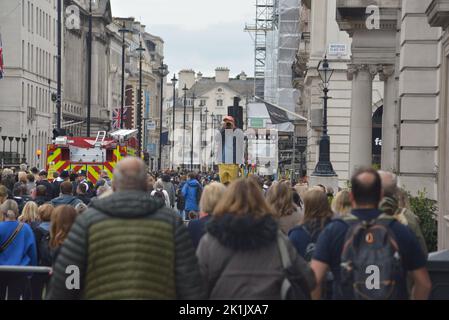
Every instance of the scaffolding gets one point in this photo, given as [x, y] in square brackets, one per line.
[266, 21]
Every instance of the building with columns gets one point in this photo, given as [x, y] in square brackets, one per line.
[320, 36]
[407, 52]
[389, 100]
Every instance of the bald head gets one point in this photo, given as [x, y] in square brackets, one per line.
[366, 188]
[130, 174]
[389, 183]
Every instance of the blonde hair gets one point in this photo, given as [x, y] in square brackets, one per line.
[280, 197]
[3, 194]
[212, 194]
[316, 207]
[341, 204]
[29, 213]
[22, 177]
[243, 197]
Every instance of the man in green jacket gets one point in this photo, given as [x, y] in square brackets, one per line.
[127, 246]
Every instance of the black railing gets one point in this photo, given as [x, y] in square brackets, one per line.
[23, 283]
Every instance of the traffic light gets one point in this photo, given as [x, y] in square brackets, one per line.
[59, 133]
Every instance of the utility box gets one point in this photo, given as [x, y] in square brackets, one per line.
[438, 266]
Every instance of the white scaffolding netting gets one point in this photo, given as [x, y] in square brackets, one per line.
[282, 46]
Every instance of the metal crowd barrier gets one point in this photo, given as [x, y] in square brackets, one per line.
[23, 283]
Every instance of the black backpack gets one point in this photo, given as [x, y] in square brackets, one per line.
[370, 261]
[159, 194]
[180, 201]
[313, 234]
[199, 193]
[43, 248]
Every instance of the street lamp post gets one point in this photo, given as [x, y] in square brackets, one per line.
[184, 126]
[206, 112]
[139, 105]
[59, 66]
[123, 30]
[212, 155]
[89, 69]
[193, 126]
[174, 80]
[24, 140]
[200, 157]
[324, 166]
[163, 72]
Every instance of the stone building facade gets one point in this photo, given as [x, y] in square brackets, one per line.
[28, 32]
[408, 54]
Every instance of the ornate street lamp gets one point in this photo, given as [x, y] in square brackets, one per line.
[184, 126]
[140, 49]
[162, 71]
[123, 31]
[324, 166]
[193, 126]
[173, 81]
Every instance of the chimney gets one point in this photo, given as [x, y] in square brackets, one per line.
[242, 76]
[222, 75]
[186, 77]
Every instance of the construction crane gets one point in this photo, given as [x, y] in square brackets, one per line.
[266, 20]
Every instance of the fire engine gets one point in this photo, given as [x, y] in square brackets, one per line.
[89, 154]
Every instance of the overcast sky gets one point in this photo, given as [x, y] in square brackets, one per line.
[198, 34]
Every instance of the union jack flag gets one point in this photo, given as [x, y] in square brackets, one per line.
[116, 118]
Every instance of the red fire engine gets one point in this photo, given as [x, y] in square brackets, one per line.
[90, 154]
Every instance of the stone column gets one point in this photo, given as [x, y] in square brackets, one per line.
[386, 74]
[360, 150]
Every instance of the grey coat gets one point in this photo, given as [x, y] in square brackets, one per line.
[239, 259]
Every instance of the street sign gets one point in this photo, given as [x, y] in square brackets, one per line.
[151, 125]
[337, 49]
[256, 123]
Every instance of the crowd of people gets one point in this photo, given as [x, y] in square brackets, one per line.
[170, 235]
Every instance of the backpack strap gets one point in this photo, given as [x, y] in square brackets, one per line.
[11, 237]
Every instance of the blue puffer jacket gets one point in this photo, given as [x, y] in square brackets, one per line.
[190, 191]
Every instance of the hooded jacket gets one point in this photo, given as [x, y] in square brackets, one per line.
[128, 246]
[189, 192]
[65, 199]
[240, 259]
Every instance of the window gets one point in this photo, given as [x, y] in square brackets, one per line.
[220, 103]
[202, 102]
